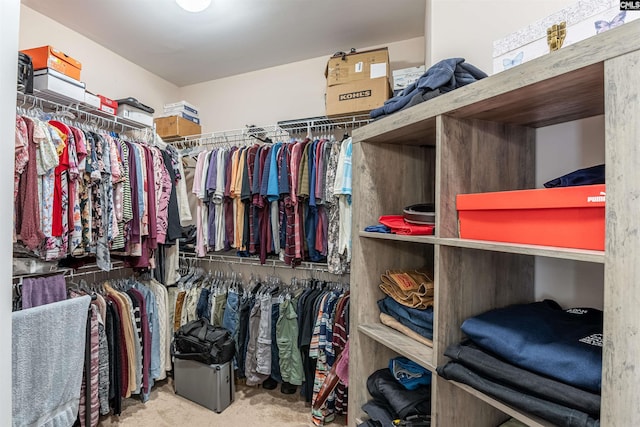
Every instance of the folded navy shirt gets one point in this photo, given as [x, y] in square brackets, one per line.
[544, 338]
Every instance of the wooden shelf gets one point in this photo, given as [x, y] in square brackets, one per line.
[530, 420]
[400, 343]
[516, 248]
[430, 240]
[485, 140]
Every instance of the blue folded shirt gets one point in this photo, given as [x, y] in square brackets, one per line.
[541, 337]
[409, 373]
[378, 229]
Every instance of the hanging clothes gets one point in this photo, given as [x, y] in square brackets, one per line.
[85, 193]
[286, 200]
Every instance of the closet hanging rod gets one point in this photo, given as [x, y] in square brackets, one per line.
[282, 129]
[71, 272]
[64, 271]
[323, 122]
[270, 263]
[233, 135]
[86, 112]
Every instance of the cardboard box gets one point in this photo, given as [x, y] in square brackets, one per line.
[406, 76]
[360, 66]
[176, 127]
[357, 97]
[569, 217]
[584, 19]
[184, 115]
[49, 57]
[108, 105]
[57, 84]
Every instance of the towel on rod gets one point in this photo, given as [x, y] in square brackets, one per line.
[47, 362]
[43, 290]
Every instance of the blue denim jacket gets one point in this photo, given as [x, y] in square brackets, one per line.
[444, 76]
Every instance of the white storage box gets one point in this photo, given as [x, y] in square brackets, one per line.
[584, 19]
[211, 386]
[181, 106]
[135, 114]
[57, 84]
[33, 266]
[179, 111]
[405, 76]
[92, 100]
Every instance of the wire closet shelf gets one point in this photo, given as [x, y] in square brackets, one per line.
[75, 110]
[282, 131]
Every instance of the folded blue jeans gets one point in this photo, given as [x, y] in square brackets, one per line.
[559, 415]
[495, 369]
[419, 321]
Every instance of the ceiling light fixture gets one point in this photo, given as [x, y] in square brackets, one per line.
[194, 6]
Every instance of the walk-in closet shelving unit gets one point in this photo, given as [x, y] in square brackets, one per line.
[482, 138]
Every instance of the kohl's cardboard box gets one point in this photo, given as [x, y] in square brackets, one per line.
[357, 82]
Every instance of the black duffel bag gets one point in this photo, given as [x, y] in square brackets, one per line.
[198, 340]
[25, 73]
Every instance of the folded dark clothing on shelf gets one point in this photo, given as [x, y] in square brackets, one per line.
[557, 414]
[543, 338]
[415, 421]
[495, 369]
[379, 413]
[512, 423]
[419, 321]
[371, 423]
[586, 176]
[399, 401]
[444, 76]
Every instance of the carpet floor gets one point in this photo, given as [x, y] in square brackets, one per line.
[253, 406]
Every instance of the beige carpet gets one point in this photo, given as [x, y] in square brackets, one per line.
[253, 406]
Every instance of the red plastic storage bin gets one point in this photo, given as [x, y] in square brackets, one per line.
[570, 217]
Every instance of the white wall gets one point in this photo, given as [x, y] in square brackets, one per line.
[291, 91]
[467, 28]
[103, 71]
[562, 149]
[9, 10]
